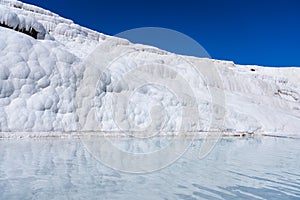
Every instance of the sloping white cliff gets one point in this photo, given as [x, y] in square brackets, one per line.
[58, 76]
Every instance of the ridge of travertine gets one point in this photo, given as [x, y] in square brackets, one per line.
[39, 80]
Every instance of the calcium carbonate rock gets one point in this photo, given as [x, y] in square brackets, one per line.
[70, 78]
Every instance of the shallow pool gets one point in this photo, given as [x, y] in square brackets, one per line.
[237, 168]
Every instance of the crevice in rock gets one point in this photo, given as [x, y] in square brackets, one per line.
[32, 32]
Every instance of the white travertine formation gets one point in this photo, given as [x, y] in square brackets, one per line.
[50, 84]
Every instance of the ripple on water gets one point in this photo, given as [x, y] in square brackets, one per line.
[237, 168]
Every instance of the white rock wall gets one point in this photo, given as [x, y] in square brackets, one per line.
[58, 84]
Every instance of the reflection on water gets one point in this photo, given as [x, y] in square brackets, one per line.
[238, 168]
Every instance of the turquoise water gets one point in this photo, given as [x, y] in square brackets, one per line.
[237, 168]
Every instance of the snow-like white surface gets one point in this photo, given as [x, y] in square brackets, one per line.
[37, 83]
[13, 20]
[48, 85]
[76, 39]
[263, 101]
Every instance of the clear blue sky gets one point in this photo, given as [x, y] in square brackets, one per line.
[262, 32]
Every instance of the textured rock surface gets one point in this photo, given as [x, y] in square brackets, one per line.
[51, 84]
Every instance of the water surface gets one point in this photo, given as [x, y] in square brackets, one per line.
[237, 168]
